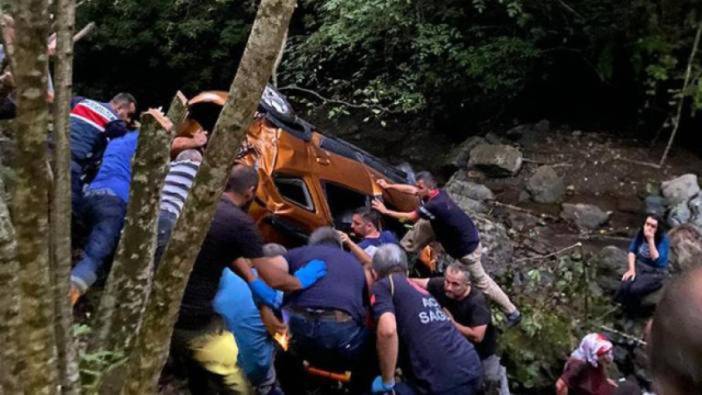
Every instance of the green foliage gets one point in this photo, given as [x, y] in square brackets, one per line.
[557, 304]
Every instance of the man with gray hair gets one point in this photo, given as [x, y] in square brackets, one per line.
[469, 312]
[408, 316]
[327, 319]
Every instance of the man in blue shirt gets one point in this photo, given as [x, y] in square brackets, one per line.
[103, 209]
[91, 124]
[365, 223]
[327, 319]
[439, 217]
[435, 357]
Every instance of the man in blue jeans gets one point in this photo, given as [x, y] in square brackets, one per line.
[327, 319]
[103, 208]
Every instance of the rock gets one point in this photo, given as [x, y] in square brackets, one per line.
[695, 205]
[457, 158]
[685, 247]
[585, 216]
[496, 160]
[545, 185]
[521, 222]
[680, 189]
[497, 250]
[459, 185]
[678, 215]
[610, 264]
[543, 126]
[655, 205]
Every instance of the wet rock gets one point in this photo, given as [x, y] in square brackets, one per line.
[459, 185]
[545, 185]
[610, 265]
[695, 205]
[496, 160]
[685, 247]
[497, 252]
[655, 205]
[585, 216]
[543, 126]
[680, 189]
[458, 157]
[678, 215]
[522, 222]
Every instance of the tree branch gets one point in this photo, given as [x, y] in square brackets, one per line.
[336, 101]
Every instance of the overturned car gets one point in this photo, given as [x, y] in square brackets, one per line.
[307, 179]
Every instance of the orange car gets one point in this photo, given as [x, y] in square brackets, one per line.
[307, 179]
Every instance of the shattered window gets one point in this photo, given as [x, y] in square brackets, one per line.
[294, 190]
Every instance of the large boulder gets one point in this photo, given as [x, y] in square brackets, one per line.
[680, 189]
[678, 215]
[695, 205]
[610, 264]
[496, 160]
[467, 194]
[584, 216]
[545, 185]
[458, 157]
[685, 247]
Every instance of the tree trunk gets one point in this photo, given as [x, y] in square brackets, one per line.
[10, 367]
[61, 200]
[129, 284]
[152, 343]
[31, 195]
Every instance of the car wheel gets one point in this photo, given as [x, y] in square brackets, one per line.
[274, 103]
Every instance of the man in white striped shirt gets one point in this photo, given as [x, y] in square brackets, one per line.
[175, 190]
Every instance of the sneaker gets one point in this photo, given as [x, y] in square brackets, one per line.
[514, 318]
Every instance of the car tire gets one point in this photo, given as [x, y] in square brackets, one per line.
[274, 103]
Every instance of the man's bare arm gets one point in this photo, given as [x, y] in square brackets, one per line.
[404, 188]
[357, 251]
[402, 216]
[270, 270]
[387, 344]
[475, 334]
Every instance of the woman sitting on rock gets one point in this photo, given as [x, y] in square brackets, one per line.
[648, 263]
[584, 372]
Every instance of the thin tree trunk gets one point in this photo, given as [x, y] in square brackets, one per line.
[61, 200]
[152, 343]
[278, 59]
[128, 287]
[10, 320]
[31, 199]
[688, 72]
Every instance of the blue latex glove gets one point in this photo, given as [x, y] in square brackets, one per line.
[381, 387]
[263, 293]
[311, 272]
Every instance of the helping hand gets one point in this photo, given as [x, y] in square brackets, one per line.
[311, 272]
[380, 387]
[343, 236]
[629, 275]
[382, 183]
[378, 205]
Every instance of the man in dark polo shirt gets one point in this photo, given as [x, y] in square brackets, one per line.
[200, 336]
[439, 217]
[327, 319]
[365, 223]
[435, 358]
[470, 313]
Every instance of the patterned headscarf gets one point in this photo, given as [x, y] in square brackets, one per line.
[593, 346]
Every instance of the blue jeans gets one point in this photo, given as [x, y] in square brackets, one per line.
[329, 344]
[166, 222]
[103, 213]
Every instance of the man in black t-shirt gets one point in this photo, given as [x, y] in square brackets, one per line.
[470, 313]
[439, 217]
[200, 336]
[411, 326]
